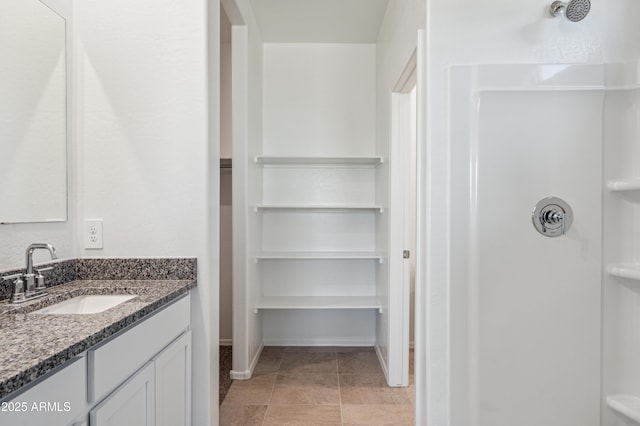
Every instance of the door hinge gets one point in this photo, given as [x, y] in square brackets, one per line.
[406, 254]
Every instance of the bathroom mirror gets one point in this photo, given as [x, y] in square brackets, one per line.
[33, 113]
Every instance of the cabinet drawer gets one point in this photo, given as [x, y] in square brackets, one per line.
[114, 361]
[57, 400]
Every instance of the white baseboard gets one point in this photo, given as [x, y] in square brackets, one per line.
[363, 341]
[226, 342]
[383, 364]
[240, 375]
[246, 375]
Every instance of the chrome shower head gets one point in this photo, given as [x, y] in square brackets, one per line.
[575, 10]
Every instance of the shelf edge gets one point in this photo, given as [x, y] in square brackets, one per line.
[627, 405]
[624, 185]
[624, 270]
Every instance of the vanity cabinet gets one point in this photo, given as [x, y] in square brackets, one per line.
[157, 394]
[153, 360]
[113, 361]
[160, 393]
[60, 399]
[140, 376]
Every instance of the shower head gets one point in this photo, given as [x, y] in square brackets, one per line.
[574, 10]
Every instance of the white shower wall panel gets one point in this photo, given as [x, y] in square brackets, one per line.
[539, 297]
[526, 309]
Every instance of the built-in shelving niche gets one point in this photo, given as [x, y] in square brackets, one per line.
[298, 194]
[626, 406]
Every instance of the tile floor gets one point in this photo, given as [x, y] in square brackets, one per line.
[317, 386]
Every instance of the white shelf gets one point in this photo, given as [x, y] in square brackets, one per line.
[321, 255]
[351, 160]
[319, 302]
[322, 207]
[629, 271]
[623, 185]
[627, 405]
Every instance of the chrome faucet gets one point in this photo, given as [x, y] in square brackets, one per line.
[33, 287]
[34, 282]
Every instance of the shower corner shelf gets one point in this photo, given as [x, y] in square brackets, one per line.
[624, 185]
[627, 405]
[630, 271]
[318, 302]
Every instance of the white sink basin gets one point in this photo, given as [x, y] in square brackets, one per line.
[88, 304]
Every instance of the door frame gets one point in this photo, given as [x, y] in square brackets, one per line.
[400, 185]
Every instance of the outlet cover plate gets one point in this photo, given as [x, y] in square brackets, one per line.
[93, 234]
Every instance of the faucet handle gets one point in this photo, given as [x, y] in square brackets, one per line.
[40, 278]
[18, 287]
[11, 277]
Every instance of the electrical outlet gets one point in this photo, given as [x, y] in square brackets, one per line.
[93, 234]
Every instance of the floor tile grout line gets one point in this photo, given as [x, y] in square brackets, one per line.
[339, 390]
[264, 420]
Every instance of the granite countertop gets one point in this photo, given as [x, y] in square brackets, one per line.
[33, 344]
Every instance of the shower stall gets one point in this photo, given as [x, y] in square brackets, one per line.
[531, 308]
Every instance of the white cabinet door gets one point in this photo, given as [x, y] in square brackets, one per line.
[173, 383]
[132, 404]
[58, 399]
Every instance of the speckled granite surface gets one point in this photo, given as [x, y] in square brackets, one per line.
[135, 269]
[65, 271]
[33, 344]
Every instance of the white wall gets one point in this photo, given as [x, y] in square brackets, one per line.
[226, 142]
[226, 151]
[255, 143]
[491, 31]
[319, 99]
[144, 153]
[247, 143]
[226, 258]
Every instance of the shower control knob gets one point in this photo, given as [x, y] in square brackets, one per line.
[552, 217]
